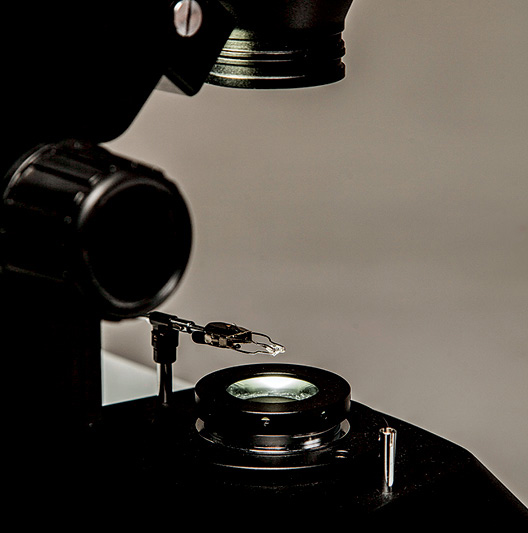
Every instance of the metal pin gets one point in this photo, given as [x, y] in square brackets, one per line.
[387, 436]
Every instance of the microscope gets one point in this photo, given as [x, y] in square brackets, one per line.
[87, 235]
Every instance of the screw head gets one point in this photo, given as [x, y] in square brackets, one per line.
[188, 17]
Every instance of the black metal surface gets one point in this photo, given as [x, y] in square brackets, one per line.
[283, 44]
[51, 360]
[151, 459]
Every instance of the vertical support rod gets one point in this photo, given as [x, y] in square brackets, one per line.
[165, 383]
[165, 342]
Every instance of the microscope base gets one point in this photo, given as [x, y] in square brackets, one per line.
[141, 453]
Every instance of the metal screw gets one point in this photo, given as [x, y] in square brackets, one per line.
[187, 17]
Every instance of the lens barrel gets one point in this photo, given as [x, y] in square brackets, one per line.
[287, 408]
[75, 213]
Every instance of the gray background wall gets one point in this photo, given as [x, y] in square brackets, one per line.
[377, 227]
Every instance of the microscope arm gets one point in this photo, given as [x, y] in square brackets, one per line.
[76, 221]
[84, 70]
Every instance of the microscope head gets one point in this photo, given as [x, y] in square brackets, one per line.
[78, 96]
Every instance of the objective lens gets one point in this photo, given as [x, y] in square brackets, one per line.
[272, 389]
[282, 44]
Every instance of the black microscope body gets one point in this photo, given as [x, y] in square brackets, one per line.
[87, 236]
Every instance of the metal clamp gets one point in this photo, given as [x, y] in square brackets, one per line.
[219, 334]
